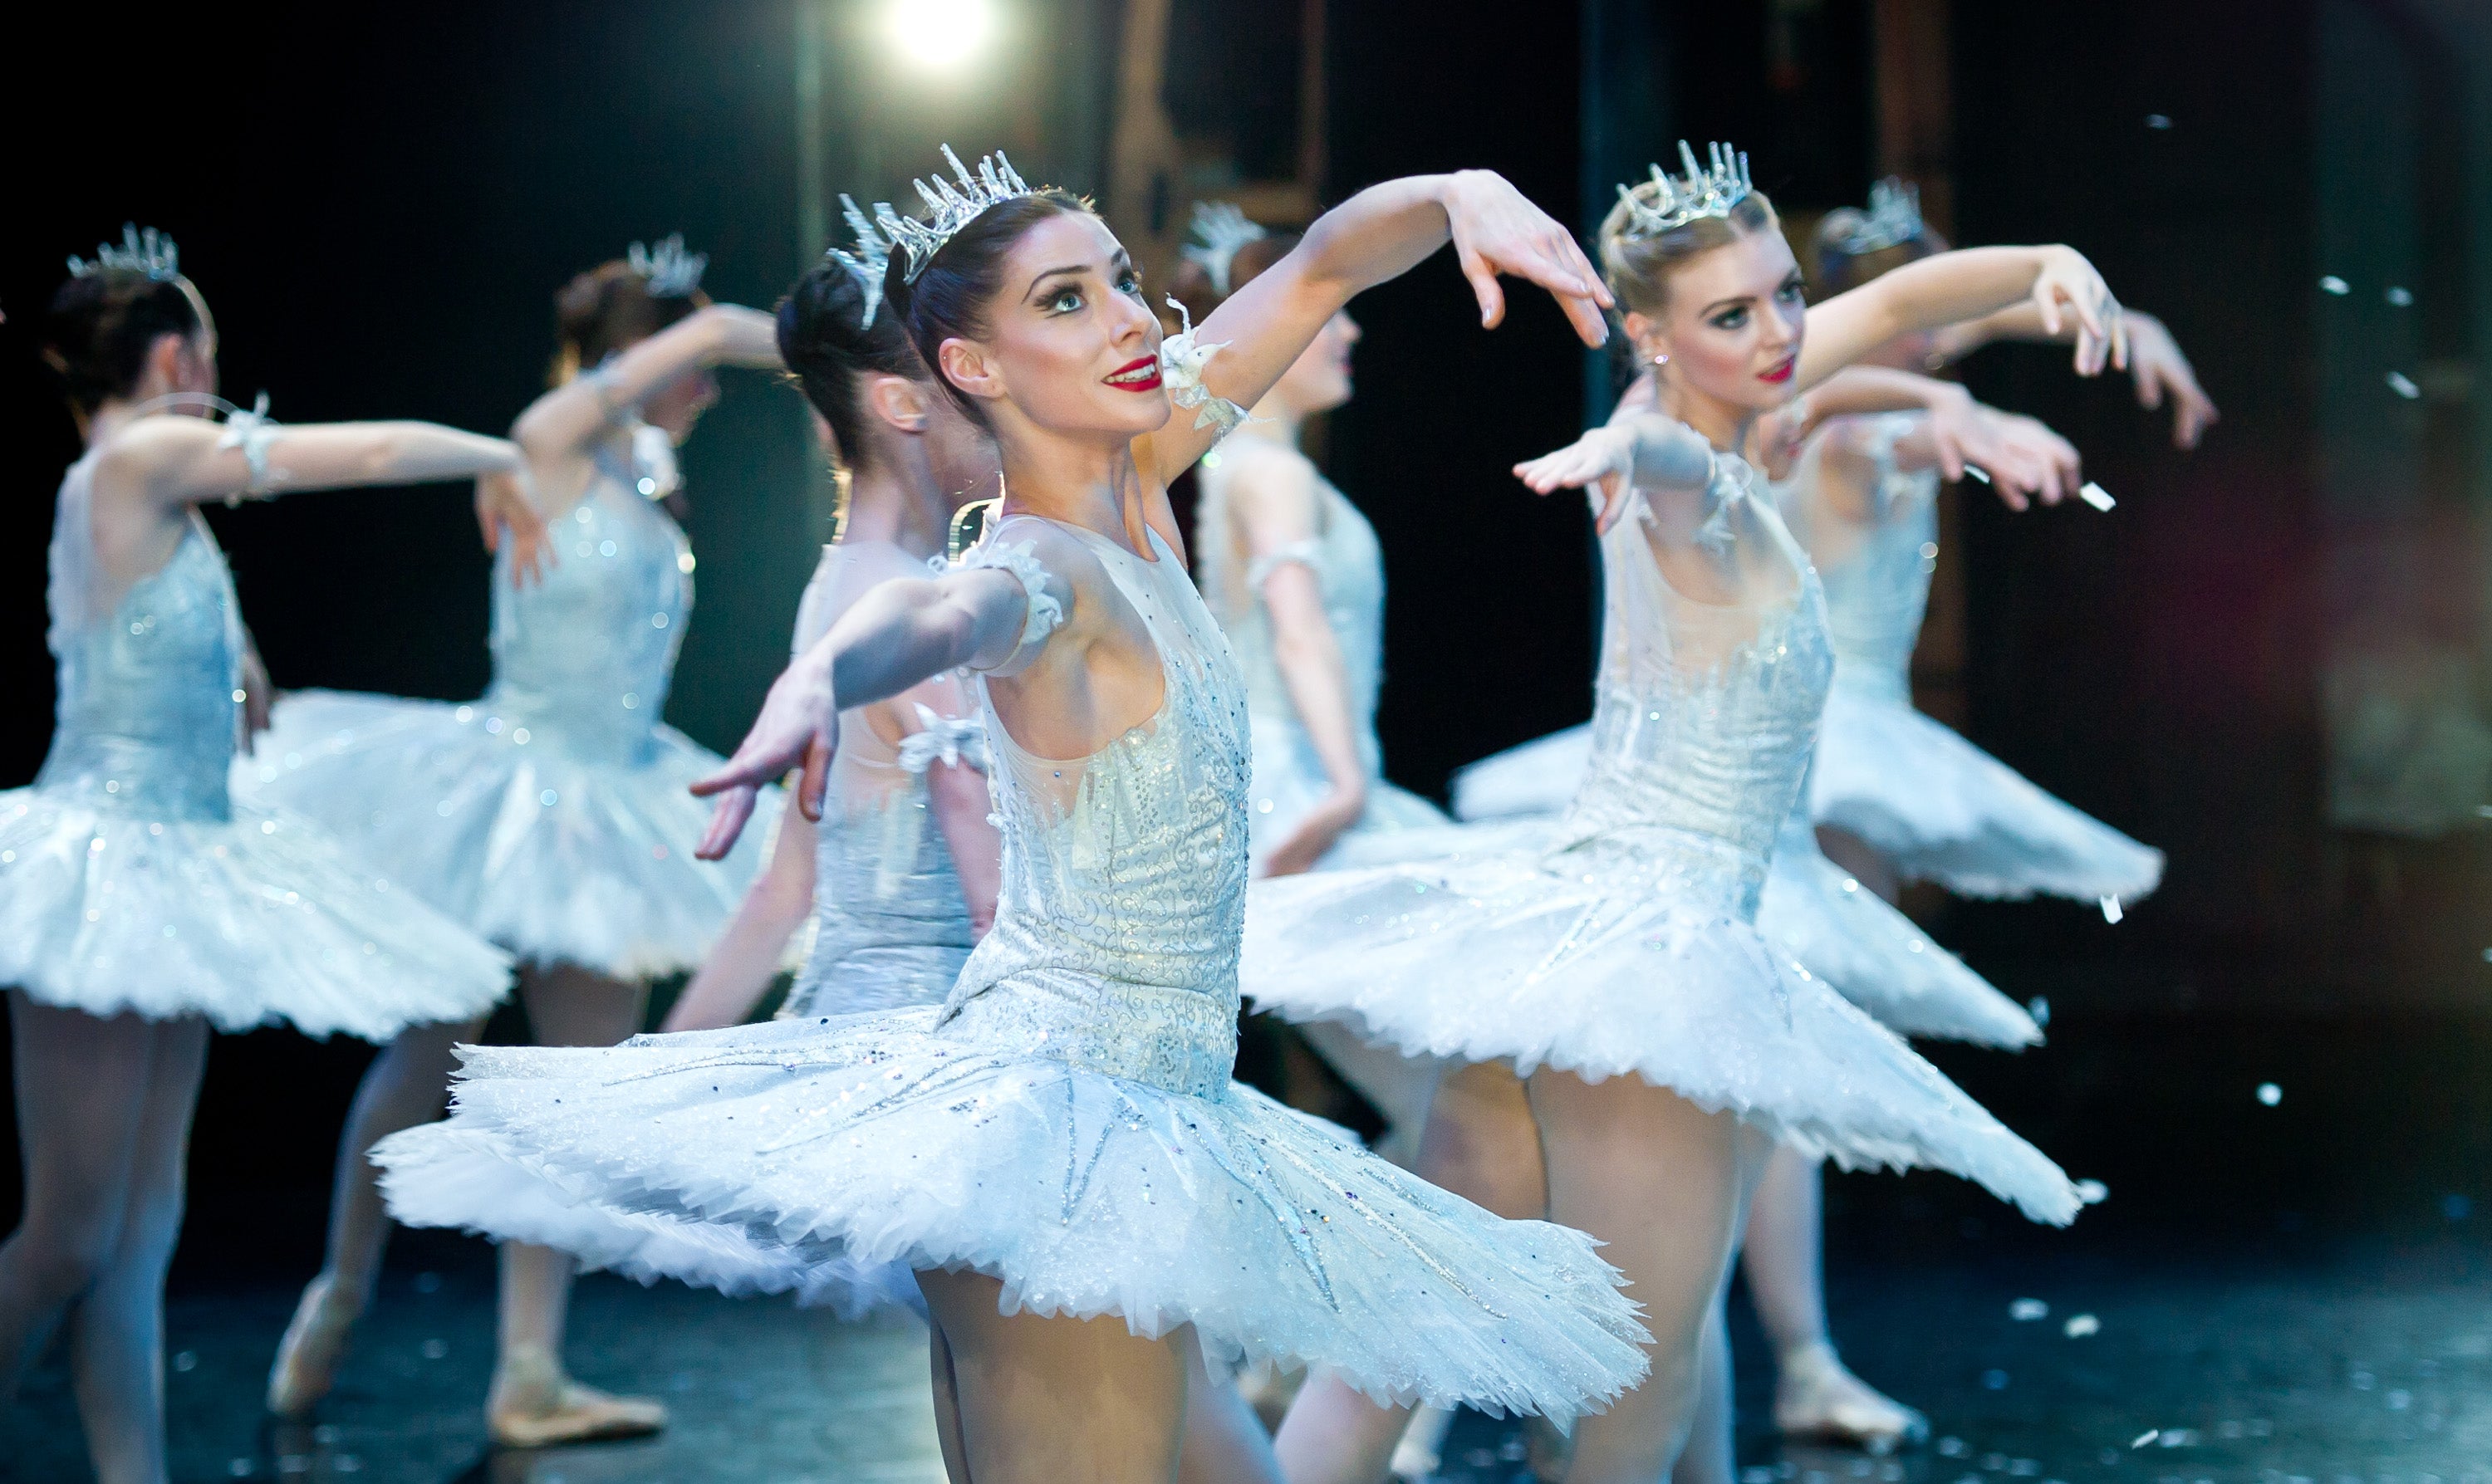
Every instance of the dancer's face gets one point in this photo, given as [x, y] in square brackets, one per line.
[1068, 342]
[1319, 380]
[1734, 324]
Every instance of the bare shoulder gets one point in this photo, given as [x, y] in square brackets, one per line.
[1265, 481]
[139, 457]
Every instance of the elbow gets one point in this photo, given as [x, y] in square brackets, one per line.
[392, 452]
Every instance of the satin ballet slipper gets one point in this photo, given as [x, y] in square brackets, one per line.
[315, 1341]
[1816, 1397]
[535, 1405]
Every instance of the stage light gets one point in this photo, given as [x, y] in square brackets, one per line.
[939, 35]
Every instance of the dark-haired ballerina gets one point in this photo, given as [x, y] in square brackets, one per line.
[139, 905]
[550, 815]
[1092, 1208]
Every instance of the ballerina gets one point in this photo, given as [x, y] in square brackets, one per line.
[1655, 1108]
[899, 879]
[140, 904]
[549, 814]
[1092, 1208]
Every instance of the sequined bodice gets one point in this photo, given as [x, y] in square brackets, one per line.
[587, 655]
[1706, 715]
[891, 928]
[1876, 572]
[1348, 568]
[146, 715]
[1123, 896]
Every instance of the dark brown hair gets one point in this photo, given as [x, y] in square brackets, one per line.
[608, 309]
[827, 348]
[102, 324]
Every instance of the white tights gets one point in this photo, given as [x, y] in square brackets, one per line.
[103, 1119]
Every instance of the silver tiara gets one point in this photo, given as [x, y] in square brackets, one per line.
[672, 273]
[1702, 192]
[1893, 219]
[1220, 229]
[150, 251]
[949, 209]
[867, 263]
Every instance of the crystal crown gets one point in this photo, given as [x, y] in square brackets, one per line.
[1701, 192]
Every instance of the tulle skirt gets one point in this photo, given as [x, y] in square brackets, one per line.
[1941, 809]
[1613, 959]
[559, 857]
[1290, 781]
[254, 920]
[811, 1156]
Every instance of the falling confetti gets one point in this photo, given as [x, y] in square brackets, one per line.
[2401, 296]
[1976, 472]
[2100, 499]
[2145, 1438]
[2403, 385]
[2335, 285]
[2080, 1326]
[2111, 905]
[1993, 1381]
[2270, 1094]
[2026, 1309]
[2158, 121]
[2092, 1192]
[2039, 1008]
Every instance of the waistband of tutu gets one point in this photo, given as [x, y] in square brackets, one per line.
[139, 776]
[1182, 1041]
[1689, 866]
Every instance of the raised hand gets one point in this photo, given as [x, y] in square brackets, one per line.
[2069, 287]
[2159, 369]
[505, 512]
[799, 724]
[1496, 230]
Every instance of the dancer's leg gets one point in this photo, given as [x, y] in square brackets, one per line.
[117, 1336]
[1814, 1395]
[1225, 1441]
[1709, 1457]
[405, 1085]
[1044, 1400]
[1399, 1088]
[1481, 1144]
[533, 1403]
[1664, 1184]
[947, 1404]
[101, 1103]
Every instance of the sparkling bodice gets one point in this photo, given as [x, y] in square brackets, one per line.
[1707, 712]
[891, 929]
[587, 655]
[1116, 931]
[1876, 568]
[146, 715]
[1349, 567]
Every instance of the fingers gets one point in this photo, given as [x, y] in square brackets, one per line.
[2118, 338]
[815, 784]
[1591, 327]
[749, 768]
[727, 821]
[1613, 502]
[1485, 287]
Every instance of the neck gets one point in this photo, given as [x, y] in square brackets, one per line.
[898, 501]
[1091, 484]
[1724, 424]
[114, 413]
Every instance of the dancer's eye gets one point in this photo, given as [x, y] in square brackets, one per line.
[1130, 282]
[1731, 318]
[1064, 301]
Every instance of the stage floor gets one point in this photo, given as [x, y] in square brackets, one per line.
[2323, 1362]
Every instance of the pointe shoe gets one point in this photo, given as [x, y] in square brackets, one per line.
[1816, 1397]
[535, 1405]
[315, 1341]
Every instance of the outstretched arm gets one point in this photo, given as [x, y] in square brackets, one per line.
[2155, 363]
[1968, 283]
[1382, 233]
[1633, 451]
[172, 462]
[903, 632]
[575, 414]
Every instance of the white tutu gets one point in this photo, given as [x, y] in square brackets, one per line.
[1290, 781]
[1538, 777]
[250, 921]
[811, 1156]
[1599, 961]
[556, 856]
[1942, 809]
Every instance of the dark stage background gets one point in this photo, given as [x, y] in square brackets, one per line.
[379, 201]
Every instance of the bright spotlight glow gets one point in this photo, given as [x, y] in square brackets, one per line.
[939, 35]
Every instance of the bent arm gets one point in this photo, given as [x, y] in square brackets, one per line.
[575, 414]
[1951, 287]
[739, 968]
[964, 812]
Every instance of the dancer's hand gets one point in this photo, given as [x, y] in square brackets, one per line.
[1496, 230]
[799, 724]
[2159, 369]
[1779, 436]
[504, 512]
[2024, 458]
[2069, 286]
[1603, 456]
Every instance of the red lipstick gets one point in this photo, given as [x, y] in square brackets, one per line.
[1139, 375]
[1781, 372]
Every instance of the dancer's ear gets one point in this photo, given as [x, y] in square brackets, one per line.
[901, 403]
